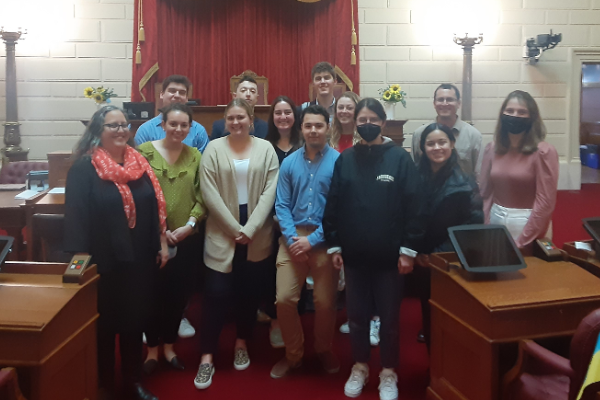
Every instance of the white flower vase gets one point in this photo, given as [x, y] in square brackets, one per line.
[100, 105]
[390, 110]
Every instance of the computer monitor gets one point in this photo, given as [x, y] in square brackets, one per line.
[486, 248]
[6, 243]
[592, 226]
[139, 110]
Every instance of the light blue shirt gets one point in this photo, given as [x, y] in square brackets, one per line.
[152, 130]
[302, 193]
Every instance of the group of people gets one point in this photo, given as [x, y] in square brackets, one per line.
[314, 190]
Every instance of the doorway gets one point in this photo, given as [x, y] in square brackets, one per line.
[589, 123]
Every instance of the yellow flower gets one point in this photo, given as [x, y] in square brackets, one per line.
[101, 89]
[88, 92]
[387, 95]
[395, 88]
[98, 98]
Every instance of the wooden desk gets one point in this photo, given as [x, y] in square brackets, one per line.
[206, 115]
[59, 163]
[12, 219]
[586, 259]
[394, 129]
[44, 203]
[48, 330]
[476, 321]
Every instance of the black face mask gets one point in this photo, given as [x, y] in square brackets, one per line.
[368, 132]
[515, 125]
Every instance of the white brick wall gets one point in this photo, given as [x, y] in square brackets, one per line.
[419, 54]
[94, 50]
[397, 45]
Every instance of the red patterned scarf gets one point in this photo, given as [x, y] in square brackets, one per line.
[133, 168]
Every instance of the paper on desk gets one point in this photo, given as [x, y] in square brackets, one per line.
[26, 194]
[57, 190]
[12, 186]
[583, 246]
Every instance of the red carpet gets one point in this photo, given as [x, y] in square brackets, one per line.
[307, 383]
[571, 207]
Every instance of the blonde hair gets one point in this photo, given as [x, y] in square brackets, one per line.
[336, 129]
[239, 103]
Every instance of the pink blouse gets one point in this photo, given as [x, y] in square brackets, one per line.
[517, 180]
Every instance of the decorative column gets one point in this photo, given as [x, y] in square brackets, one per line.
[12, 134]
[467, 44]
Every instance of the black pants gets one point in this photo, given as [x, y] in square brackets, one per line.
[385, 286]
[123, 298]
[422, 280]
[243, 288]
[172, 290]
[271, 286]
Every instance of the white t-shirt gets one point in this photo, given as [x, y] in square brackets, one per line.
[241, 177]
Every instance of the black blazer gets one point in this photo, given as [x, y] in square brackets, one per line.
[95, 220]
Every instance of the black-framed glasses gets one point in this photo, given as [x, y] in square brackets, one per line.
[115, 127]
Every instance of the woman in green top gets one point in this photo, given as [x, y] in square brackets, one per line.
[176, 166]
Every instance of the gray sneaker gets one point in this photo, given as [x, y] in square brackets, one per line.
[241, 361]
[204, 376]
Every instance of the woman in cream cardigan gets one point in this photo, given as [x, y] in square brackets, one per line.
[238, 176]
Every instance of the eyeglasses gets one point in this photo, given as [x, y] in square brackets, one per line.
[447, 100]
[115, 127]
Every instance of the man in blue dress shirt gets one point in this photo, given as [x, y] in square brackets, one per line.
[246, 89]
[304, 179]
[175, 89]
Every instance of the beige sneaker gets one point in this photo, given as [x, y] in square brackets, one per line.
[329, 361]
[283, 368]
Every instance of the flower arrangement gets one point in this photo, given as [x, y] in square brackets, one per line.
[99, 94]
[393, 94]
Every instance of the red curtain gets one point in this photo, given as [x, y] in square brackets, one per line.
[211, 40]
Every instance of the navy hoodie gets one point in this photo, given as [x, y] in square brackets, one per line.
[374, 206]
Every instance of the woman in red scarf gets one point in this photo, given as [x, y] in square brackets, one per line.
[115, 211]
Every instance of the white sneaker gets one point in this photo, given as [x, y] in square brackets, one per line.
[374, 334]
[345, 327]
[388, 386]
[186, 330]
[262, 317]
[276, 338]
[357, 381]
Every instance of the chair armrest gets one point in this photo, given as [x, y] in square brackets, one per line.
[535, 360]
[539, 360]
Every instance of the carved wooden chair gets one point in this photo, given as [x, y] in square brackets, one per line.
[261, 81]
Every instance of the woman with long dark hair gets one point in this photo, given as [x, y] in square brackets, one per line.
[451, 199]
[283, 131]
[519, 173]
[285, 137]
[116, 212]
